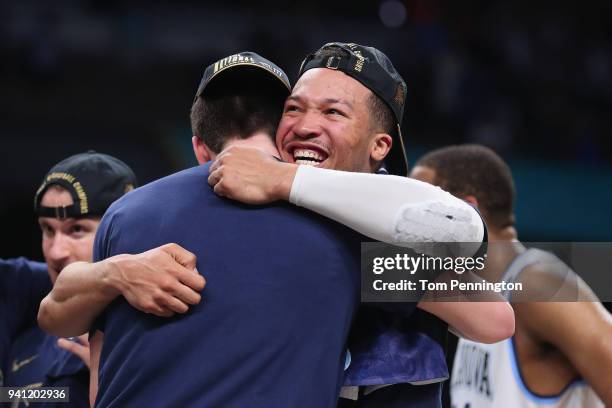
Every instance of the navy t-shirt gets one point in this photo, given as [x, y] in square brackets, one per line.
[282, 289]
[37, 361]
[23, 284]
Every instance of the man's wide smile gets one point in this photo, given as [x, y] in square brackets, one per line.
[308, 154]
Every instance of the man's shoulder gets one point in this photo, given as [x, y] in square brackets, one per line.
[22, 264]
[191, 177]
[167, 201]
[17, 271]
[197, 174]
[168, 190]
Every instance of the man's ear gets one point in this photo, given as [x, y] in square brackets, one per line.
[472, 200]
[202, 152]
[381, 145]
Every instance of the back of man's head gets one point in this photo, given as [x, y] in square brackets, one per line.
[239, 96]
[475, 170]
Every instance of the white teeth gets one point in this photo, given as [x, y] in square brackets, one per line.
[307, 162]
[305, 153]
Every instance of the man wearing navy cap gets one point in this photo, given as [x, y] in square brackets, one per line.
[69, 204]
[256, 339]
[91, 181]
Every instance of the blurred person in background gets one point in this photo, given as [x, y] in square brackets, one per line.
[72, 198]
[561, 352]
[69, 203]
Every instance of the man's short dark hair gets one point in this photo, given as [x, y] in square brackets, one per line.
[475, 170]
[381, 115]
[233, 107]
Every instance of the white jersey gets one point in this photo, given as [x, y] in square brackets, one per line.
[488, 375]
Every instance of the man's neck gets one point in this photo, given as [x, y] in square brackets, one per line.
[505, 234]
[259, 140]
[503, 249]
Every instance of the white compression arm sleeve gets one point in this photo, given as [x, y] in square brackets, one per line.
[391, 209]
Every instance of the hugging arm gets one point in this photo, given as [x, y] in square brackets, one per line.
[162, 281]
[403, 211]
[391, 209]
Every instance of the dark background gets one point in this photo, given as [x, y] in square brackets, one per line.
[532, 81]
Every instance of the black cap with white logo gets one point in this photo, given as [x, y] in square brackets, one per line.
[94, 180]
[249, 64]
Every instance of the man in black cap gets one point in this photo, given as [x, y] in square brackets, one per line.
[344, 114]
[254, 340]
[69, 204]
[102, 179]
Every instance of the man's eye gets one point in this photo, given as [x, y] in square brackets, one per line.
[291, 108]
[334, 112]
[77, 230]
[47, 230]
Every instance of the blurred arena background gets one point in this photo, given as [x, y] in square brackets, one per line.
[533, 80]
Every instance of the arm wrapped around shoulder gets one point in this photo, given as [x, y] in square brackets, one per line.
[391, 209]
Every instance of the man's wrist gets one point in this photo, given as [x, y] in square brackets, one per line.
[111, 276]
[286, 175]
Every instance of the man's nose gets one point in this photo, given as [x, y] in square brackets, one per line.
[308, 125]
[60, 248]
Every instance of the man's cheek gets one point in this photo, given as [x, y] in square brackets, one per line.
[281, 136]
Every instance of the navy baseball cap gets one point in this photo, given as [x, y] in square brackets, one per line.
[373, 69]
[94, 180]
[252, 67]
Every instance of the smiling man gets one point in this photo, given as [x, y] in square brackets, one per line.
[336, 140]
[344, 114]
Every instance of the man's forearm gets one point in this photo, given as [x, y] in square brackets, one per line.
[162, 281]
[81, 292]
[390, 209]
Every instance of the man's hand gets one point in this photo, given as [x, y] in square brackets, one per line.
[79, 347]
[162, 281]
[251, 176]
